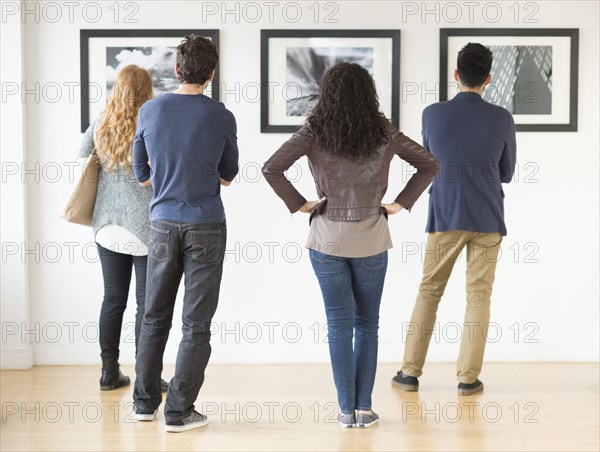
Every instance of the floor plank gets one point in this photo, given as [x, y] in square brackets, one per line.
[528, 407]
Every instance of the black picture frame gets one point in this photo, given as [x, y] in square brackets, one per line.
[86, 35]
[573, 88]
[267, 35]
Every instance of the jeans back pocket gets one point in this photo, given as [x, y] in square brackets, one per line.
[375, 262]
[207, 246]
[158, 246]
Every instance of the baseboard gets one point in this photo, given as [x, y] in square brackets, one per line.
[16, 358]
[89, 354]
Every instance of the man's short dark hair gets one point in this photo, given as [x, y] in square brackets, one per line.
[474, 64]
[197, 57]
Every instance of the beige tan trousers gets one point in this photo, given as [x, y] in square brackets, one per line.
[443, 250]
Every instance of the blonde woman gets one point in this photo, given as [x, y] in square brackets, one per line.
[120, 223]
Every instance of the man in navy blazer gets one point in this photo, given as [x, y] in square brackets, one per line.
[475, 143]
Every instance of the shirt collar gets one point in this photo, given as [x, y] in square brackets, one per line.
[467, 96]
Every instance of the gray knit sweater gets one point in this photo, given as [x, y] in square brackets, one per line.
[121, 200]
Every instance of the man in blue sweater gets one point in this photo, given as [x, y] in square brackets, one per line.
[186, 147]
[475, 143]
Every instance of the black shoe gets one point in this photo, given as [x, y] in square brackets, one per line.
[405, 382]
[112, 378]
[470, 388]
[164, 386]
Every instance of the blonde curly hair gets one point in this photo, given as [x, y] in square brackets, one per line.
[114, 137]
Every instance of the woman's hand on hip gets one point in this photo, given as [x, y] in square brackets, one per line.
[392, 208]
[310, 205]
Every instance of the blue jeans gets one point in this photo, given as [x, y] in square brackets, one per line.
[175, 249]
[352, 289]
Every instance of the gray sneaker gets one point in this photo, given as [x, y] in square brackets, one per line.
[194, 420]
[144, 415]
[366, 420]
[347, 420]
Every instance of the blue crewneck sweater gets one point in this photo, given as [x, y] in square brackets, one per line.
[190, 142]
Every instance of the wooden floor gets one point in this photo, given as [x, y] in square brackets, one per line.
[533, 407]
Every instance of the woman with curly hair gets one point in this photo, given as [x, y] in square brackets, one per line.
[120, 223]
[349, 145]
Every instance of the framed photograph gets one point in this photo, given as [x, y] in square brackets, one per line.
[105, 52]
[534, 73]
[292, 63]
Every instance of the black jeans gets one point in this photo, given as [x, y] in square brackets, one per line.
[196, 250]
[116, 271]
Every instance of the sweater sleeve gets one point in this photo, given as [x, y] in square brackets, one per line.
[228, 166]
[282, 160]
[426, 164]
[87, 143]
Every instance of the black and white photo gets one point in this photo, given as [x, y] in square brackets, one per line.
[522, 79]
[534, 73]
[294, 61]
[159, 61]
[103, 53]
[307, 65]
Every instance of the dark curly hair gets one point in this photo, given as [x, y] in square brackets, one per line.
[346, 121]
[197, 57]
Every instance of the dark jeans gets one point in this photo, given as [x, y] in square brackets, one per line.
[352, 289]
[116, 271]
[196, 251]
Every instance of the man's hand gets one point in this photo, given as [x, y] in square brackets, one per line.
[393, 208]
[146, 183]
[224, 182]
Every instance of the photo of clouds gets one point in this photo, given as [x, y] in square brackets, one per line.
[522, 79]
[159, 61]
[305, 66]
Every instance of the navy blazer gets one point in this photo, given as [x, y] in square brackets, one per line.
[475, 143]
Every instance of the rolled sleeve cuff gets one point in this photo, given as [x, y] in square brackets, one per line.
[229, 175]
[141, 172]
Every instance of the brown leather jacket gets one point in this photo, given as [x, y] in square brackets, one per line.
[352, 190]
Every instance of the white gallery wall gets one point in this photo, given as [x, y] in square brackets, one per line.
[545, 300]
